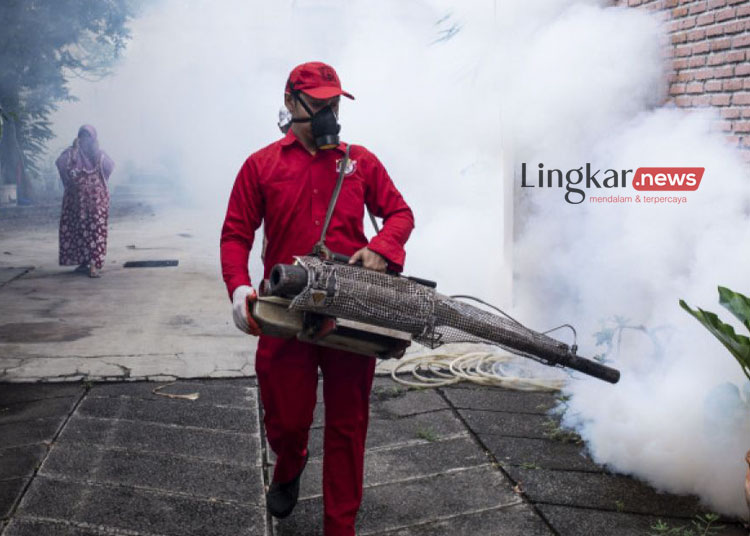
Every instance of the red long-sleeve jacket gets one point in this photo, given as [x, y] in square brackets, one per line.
[289, 189]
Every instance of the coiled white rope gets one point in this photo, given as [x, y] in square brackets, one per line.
[481, 367]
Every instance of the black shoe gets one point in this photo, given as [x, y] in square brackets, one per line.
[282, 498]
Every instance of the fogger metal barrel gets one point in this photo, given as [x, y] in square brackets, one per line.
[287, 280]
[433, 319]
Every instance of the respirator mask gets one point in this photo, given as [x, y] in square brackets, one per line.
[324, 123]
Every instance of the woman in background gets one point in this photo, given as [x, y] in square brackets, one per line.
[84, 171]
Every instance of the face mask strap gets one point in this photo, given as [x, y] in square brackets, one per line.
[295, 94]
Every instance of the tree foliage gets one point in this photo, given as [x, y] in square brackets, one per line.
[43, 44]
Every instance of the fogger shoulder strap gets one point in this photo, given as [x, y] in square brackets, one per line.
[334, 196]
[334, 199]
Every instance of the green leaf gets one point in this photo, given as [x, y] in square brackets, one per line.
[738, 345]
[738, 304]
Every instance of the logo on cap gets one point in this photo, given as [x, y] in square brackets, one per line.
[327, 73]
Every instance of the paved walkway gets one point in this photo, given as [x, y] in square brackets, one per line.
[144, 323]
[84, 459]
[115, 459]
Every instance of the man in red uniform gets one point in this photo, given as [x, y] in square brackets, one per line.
[287, 186]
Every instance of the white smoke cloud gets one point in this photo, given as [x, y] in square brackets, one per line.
[562, 82]
[592, 79]
[200, 87]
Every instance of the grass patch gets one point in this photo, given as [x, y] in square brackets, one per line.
[701, 525]
[553, 431]
[427, 434]
[382, 393]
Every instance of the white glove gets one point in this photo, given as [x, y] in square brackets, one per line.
[242, 297]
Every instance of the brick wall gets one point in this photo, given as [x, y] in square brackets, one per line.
[710, 57]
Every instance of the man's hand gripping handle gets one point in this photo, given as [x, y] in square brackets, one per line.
[242, 303]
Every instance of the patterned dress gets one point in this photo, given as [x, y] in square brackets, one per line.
[85, 208]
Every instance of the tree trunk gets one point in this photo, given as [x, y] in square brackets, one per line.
[11, 157]
[12, 165]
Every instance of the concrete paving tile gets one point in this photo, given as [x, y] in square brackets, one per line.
[318, 415]
[212, 445]
[139, 510]
[519, 520]
[241, 393]
[10, 490]
[13, 393]
[392, 402]
[390, 399]
[229, 381]
[29, 432]
[506, 424]
[381, 432]
[391, 465]
[178, 412]
[429, 426]
[198, 478]
[602, 491]
[406, 503]
[543, 453]
[18, 462]
[569, 521]
[28, 527]
[406, 403]
[36, 409]
[386, 381]
[497, 399]
[306, 519]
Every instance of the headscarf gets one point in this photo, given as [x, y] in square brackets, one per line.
[76, 161]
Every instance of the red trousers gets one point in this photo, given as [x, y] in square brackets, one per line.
[288, 377]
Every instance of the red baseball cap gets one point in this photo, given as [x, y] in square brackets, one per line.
[316, 79]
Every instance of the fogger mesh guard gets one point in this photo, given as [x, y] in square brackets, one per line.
[432, 319]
